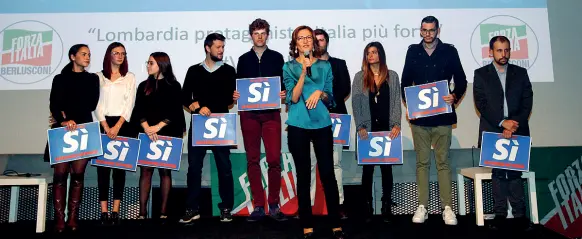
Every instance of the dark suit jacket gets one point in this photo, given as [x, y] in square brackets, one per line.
[342, 84]
[488, 96]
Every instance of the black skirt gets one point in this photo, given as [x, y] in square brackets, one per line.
[46, 156]
[126, 130]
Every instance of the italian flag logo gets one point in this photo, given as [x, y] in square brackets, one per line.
[24, 47]
[517, 35]
[243, 201]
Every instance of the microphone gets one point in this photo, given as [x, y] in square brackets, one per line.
[306, 54]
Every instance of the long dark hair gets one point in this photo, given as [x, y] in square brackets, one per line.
[123, 69]
[165, 66]
[369, 83]
[72, 52]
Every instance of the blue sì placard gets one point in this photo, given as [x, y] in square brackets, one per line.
[341, 127]
[119, 153]
[67, 146]
[427, 99]
[499, 152]
[214, 130]
[166, 152]
[379, 148]
[259, 93]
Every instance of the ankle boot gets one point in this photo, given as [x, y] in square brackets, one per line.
[75, 194]
[115, 219]
[105, 218]
[387, 211]
[59, 202]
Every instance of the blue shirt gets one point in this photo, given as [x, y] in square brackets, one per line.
[502, 77]
[321, 79]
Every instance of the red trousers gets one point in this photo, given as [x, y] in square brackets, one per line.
[266, 125]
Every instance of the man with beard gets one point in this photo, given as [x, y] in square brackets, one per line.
[341, 92]
[504, 97]
[261, 61]
[208, 89]
[429, 61]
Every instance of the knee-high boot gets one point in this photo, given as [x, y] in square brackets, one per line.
[59, 202]
[75, 196]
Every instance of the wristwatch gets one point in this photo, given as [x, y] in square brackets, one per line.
[323, 96]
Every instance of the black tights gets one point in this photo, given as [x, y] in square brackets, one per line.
[145, 185]
[103, 176]
[75, 168]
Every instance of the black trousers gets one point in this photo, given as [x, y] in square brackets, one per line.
[104, 173]
[386, 170]
[194, 177]
[299, 145]
[508, 186]
[387, 181]
[103, 176]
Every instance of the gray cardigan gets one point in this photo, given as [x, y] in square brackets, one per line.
[361, 101]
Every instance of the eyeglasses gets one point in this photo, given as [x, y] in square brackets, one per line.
[302, 38]
[119, 53]
[429, 31]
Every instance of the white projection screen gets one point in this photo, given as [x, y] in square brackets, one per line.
[36, 36]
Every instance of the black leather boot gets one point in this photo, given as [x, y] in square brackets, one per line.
[105, 219]
[115, 219]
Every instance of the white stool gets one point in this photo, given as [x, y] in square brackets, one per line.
[17, 181]
[478, 174]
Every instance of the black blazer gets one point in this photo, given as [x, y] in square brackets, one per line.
[342, 85]
[488, 96]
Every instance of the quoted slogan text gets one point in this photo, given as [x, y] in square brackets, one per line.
[376, 31]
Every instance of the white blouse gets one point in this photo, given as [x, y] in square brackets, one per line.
[116, 98]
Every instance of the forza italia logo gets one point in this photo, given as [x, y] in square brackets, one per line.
[31, 52]
[523, 40]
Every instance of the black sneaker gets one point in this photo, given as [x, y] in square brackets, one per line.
[225, 215]
[163, 220]
[339, 235]
[275, 213]
[189, 216]
[524, 224]
[342, 212]
[257, 214]
[141, 220]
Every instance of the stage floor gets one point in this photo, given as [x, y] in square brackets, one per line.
[402, 227]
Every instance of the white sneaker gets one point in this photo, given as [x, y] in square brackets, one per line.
[449, 216]
[420, 215]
